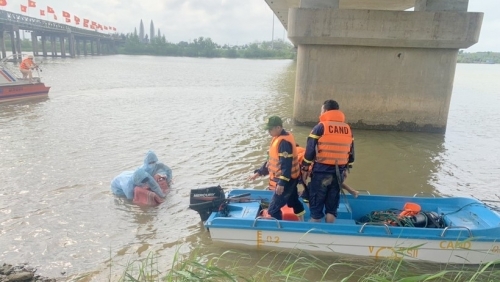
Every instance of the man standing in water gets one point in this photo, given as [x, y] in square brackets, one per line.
[330, 146]
[283, 170]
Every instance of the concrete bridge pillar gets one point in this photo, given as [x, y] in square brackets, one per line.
[72, 47]
[18, 43]
[34, 42]
[44, 45]
[98, 46]
[85, 47]
[63, 46]
[2, 43]
[389, 70]
[77, 46]
[53, 45]
[13, 43]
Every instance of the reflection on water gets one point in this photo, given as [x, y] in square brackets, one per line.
[204, 118]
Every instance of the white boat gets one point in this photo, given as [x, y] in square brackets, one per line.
[455, 230]
[13, 88]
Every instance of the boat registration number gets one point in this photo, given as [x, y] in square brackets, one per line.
[15, 89]
[266, 239]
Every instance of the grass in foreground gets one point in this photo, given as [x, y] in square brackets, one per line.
[280, 266]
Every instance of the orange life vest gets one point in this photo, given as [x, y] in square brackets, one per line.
[301, 152]
[273, 164]
[26, 64]
[335, 143]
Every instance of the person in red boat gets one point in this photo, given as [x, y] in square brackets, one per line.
[26, 67]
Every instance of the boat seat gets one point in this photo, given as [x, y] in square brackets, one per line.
[244, 210]
[456, 217]
[345, 221]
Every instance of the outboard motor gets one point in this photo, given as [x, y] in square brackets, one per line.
[206, 200]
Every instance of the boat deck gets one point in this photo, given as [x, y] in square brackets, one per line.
[454, 216]
[469, 214]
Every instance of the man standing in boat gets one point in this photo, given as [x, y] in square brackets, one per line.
[26, 67]
[330, 145]
[283, 169]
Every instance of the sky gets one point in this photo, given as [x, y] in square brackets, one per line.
[232, 22]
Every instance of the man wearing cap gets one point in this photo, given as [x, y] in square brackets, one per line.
[26, 66]
[283, 169]
[330, 145]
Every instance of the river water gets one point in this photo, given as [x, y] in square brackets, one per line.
[204, 118]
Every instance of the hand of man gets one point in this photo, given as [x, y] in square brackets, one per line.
[280, 189]
[305, 175]
[253, 177]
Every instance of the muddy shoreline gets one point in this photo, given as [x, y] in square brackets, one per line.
[21, 272]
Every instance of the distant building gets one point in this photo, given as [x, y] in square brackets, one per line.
[144, 38]
[151, 31]
[141, 32]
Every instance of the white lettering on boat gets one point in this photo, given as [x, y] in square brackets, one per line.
[455, 245]
[204, 195]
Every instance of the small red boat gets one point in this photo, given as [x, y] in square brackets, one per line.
[13, 88]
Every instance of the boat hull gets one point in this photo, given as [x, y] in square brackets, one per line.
[471, 235]
[439, 251]
[19, 92]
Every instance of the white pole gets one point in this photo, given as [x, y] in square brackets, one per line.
[272, 39]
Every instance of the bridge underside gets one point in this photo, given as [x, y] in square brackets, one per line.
[280, 7]
[388, 69]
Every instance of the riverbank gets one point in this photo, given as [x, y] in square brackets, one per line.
[21, 272]
[478, 58]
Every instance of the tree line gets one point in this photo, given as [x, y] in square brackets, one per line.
[478, 58]
[205, 47]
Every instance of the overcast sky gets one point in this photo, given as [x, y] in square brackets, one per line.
[233, 22]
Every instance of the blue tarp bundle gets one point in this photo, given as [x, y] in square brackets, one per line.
[124, 183]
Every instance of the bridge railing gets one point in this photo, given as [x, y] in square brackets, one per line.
[30, 23]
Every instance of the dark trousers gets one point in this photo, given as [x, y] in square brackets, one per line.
[324, 194]
[289, 197]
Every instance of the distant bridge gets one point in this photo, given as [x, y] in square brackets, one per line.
[65, 40]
